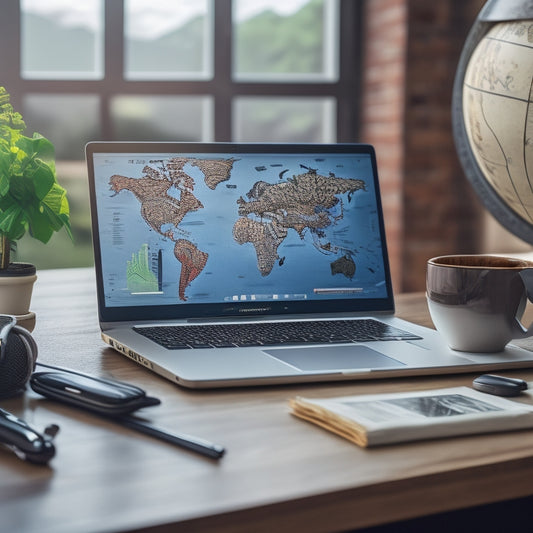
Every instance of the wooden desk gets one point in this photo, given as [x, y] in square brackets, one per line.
[279, 473]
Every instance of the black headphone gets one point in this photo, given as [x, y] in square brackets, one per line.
[18, 355]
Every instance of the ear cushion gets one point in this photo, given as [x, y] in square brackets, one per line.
[26, 337]
[18, 363]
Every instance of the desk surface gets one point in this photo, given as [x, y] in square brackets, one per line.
[279, 473]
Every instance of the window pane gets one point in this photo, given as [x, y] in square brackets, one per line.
[273, 119]
[162, 118]
[52, 116]
[285, 39]
[61, 39]
[168, 39]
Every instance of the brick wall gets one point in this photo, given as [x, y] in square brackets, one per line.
[411, 52]
[382, 111]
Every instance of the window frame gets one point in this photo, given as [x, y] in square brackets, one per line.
[222, 87]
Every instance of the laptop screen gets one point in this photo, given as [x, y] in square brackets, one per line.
[185, 230]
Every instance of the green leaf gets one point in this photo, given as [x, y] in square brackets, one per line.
[13, 223]
[11, 123]
[37, 147]
[4, 96]
[6, 159]
[50, 215]
[42, 177]
[56, 200]
[44, 149]
[40, 225]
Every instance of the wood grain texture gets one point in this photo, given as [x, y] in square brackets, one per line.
[279, 473]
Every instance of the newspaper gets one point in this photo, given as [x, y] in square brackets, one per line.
[376, 419]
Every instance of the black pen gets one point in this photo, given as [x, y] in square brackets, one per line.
[195, 444]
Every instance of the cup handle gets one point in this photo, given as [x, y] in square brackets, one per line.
[527, 279]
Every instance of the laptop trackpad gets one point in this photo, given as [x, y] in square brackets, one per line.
[333, 358]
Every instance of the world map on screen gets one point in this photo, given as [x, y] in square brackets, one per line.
[198, 206]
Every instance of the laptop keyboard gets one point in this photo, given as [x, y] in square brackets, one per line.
[272, 333]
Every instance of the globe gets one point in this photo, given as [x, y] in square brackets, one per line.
[493, 112]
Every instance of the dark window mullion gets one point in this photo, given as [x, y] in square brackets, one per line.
[10, 58]
[348, 95]
[114, 39]
[223, 88]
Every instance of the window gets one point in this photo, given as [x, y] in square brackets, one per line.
[190, 70]
[285, 41]
[284, 118]
[168, 40]
[162, 117]
[58, 42]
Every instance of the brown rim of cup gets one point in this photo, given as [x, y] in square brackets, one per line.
[479, 261]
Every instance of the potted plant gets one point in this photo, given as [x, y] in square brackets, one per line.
[31, 200]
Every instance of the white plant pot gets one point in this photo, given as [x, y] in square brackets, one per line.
[16, 287]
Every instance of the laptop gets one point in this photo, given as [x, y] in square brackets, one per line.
[223, 264]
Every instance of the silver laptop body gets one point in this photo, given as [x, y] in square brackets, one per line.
[224, 264]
